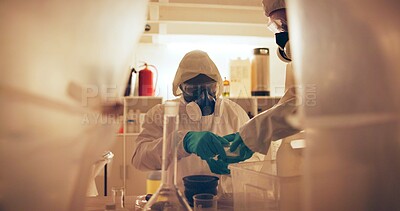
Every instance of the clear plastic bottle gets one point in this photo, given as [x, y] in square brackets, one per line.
[118, 197]
[168, 196]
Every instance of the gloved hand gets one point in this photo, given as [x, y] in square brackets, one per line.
[208, 147]
[237, 143]
[218, 166]
[205, 144]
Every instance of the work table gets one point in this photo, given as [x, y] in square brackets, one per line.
[98, 203]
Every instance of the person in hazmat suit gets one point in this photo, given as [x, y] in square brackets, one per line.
[273, 124]
[203, 118]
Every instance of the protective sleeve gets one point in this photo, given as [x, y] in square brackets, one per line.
[237, 115]
[148, 151]
[270, 125]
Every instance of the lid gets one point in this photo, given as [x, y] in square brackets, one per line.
[206, 181]
[261, 51]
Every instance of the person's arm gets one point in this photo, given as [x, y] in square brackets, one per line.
[270, 125]
[148, 151]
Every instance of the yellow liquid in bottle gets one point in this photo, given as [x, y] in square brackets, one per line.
[225, 91]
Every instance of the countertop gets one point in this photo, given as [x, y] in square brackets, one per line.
[98, 203]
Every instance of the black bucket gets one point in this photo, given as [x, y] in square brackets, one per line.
[196, 184]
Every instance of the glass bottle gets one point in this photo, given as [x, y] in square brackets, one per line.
[168, 196]
[118, 197]
[226, 87]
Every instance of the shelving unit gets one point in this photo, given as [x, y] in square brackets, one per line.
[122, 173]
[187, 17]
[255, 105]
[142, 103]
[127, 134]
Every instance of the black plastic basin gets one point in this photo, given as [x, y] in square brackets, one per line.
[196, 184]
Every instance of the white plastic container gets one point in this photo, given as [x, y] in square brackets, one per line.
[240, 76]
[256, 186]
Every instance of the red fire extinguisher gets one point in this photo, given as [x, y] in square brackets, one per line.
[146, 77]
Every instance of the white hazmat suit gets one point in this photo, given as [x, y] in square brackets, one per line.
[272, 124]
[227, 118]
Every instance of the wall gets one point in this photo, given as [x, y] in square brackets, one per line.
[57, 59]
[168, 51]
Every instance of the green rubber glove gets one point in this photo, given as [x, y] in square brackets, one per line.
[218, 166]
[237, 143]
[205, 144]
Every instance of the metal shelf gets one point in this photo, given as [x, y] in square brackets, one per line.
[127, 134]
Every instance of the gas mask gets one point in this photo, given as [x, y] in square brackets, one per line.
[204, 95]
[282, 40]
[278, 25]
